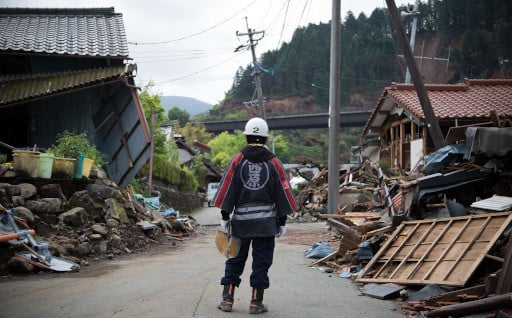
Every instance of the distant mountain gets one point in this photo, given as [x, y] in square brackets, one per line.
[191, 105]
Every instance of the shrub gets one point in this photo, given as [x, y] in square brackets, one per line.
[70, 145]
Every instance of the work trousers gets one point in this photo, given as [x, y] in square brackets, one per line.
[262, 256]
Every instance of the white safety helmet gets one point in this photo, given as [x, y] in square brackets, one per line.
[256, 127]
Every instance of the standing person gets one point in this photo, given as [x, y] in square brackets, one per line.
[256, 190]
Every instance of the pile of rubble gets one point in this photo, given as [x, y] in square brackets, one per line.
[81, 221]
[437, 239]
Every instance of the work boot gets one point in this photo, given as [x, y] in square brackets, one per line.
[257, 306]
[228, 296]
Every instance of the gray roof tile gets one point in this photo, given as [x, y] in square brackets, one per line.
[84, 32]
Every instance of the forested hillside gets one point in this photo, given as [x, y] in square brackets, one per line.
[475, 35]
[458, 38]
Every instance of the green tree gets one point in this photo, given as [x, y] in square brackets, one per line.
[194, 130]
[165, 164]
[152, 104]
[181, 115]
[226, 145]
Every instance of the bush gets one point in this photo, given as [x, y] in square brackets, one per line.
[70, 145]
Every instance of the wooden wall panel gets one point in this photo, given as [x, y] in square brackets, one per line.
[442, 251]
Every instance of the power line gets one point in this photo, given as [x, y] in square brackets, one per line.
[197, 33]
[198, 71]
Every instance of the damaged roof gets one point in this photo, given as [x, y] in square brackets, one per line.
[474, 98]
[97, 32]
[19, 88]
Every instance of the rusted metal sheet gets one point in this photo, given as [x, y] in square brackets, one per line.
[443, 251]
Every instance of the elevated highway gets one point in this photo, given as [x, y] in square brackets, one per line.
[347, 119]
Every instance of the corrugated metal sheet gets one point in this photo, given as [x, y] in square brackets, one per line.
[495, 203]
[85, 32]
[19, 88]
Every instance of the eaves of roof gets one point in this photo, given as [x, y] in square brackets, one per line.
[20, 88]
[97, 32]
[473, 99]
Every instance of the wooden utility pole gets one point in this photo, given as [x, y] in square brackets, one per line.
[151, 154]
[432, 123]
[257, 73]
[334, 111]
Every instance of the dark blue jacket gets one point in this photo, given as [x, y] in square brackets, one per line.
[255, 188]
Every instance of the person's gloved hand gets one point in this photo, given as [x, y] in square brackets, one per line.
[282, 231]
[223, 224]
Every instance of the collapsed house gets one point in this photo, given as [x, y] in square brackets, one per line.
[67, 69]
[424, 217]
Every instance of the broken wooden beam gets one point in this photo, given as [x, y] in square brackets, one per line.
[472, 307]
[505, 280]
[345, 229]
[380, 231]
[323, 259]
[453, 295]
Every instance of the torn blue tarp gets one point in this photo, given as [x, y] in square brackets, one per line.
[348, 272]
[169, 212]
[438, 159]
[319, 250]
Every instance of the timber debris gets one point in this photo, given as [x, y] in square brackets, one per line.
[441, 233]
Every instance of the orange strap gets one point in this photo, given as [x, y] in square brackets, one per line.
[13, 236]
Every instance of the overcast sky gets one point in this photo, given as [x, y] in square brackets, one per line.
[186, 47]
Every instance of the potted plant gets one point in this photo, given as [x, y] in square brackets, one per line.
[77, 146]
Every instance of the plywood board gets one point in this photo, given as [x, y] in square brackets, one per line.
[442, 251]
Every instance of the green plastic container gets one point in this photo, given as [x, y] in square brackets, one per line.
[79, 166]
[45, 165]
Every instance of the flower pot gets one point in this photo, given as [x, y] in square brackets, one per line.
[25, 163]
[63, 168]
[87, 167]
[45, 165]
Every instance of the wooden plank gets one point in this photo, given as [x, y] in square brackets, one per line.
[380, 231]
[491, 234]
[444, 251]
[323, 259]
[472, 307]
[411, 251]
[391, 258]
[463, 252]
[505, 280]
[429, 250]
[453, 295]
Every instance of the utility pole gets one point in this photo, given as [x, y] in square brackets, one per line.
[334, 111]
[151, 154]
[432, 123]
[414, 24]
[257, 73]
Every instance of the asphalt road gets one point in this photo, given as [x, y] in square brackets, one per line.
[184, 281]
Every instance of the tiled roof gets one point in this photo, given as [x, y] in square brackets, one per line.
[84, 32]
[19, 88]
[471, 99]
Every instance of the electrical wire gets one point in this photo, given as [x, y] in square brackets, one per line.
[198, 71]
[197, 33]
